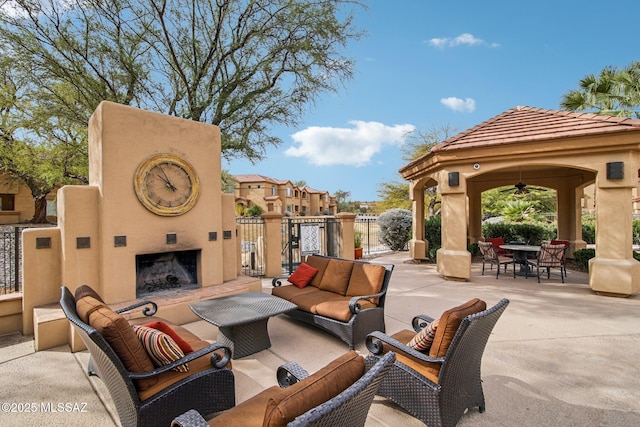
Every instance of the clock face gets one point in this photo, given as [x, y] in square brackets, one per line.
[166, 185]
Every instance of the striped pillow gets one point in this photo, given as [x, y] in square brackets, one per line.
[162, 349]
[422, 340]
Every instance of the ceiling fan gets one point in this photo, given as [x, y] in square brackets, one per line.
[521, 188]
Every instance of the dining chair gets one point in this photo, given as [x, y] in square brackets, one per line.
[489, 255]
[550, 256]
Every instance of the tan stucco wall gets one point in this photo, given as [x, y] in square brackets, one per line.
[24, 205]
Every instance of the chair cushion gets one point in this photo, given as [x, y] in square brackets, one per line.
[86, 290]
[87, 305]
[303, 275]
[366, 279]
[163, 327]
[287, 404]
[248, 413]
[319, 263]
[118, 333]
[160, 347]
[167, 379]
[551, 255]
[422, 340]
[448, 325]
[336, 276]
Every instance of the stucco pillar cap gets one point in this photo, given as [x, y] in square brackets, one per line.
[271, 215]
[346, 216]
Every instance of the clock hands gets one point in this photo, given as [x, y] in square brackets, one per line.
[165, 178]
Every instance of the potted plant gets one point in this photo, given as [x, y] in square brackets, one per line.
[357, 243]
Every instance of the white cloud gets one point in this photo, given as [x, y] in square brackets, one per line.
[466, 105]
[463, 39]
[326, 146]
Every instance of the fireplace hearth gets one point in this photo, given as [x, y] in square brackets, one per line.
[168, 271]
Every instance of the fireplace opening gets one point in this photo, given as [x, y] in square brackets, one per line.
[168, 271]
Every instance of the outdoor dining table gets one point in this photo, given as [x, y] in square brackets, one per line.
[520, 253]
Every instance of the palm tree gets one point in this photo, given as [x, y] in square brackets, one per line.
[613, 92]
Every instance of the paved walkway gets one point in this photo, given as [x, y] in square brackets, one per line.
[559, 356]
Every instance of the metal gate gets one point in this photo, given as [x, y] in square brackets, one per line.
[308, 236]
[10, 259]
[252, 245]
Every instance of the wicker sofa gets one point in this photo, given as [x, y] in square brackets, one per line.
[345, 297]
[145, 394]
[340, 394]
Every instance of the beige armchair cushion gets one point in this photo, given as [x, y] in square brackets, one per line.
[366, 279]
[320, 264]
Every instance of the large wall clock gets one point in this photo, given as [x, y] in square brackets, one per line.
[167, 185]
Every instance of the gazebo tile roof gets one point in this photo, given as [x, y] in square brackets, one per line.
[527, 124]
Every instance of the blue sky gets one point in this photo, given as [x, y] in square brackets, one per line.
[428, 64]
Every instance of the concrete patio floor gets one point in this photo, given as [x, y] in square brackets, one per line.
[559, 356]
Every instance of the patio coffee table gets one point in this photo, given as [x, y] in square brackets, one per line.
[242, 319]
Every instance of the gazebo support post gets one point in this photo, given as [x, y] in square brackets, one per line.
[453, 258]
[418, 247]
[619, 273]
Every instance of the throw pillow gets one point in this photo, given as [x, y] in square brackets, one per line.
[161, 347]
[422, 340]
[163, 327]
[303, 275]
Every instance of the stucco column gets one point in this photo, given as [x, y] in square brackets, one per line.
[613, 270]
[272, 244]
[347, 235]
[454, 260]
[569, 216]
[418, 247]
[475, 213]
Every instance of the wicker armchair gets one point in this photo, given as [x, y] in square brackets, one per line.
[551, 256]
[489, 255]
[209, 384]
[303, 403]
[438, 390]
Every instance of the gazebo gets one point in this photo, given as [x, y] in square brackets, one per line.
[560, 150]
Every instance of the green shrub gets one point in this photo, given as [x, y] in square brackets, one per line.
[582, 257]
[395, 228]
[531, 233]
[474, 249]
[589, 228]
[254, 210]
[433, 230]
[433, 252]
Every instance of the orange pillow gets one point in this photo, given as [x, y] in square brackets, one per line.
[303, 275]
[163, 327]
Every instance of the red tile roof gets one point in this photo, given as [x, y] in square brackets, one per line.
[256, 178]
[527, 124]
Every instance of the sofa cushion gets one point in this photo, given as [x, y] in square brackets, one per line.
[87, 305]
[289, 292]
[160, 347]
[309, 301]
[319, 263]
[86, 290]
[303, 275]
[336, 276]
[449, 322]
[422, 340]
[287, 404]
[118, 333]
[338, 308]
[163, 327]
[366, 279]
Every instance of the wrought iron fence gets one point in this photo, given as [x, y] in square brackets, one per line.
[302, 236]
[369, 232]
[252, 245]
[10, 259]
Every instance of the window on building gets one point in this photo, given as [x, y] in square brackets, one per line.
[273, 190]
[288, 191]
[7, 202]
[296, 193]
[249, 186]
